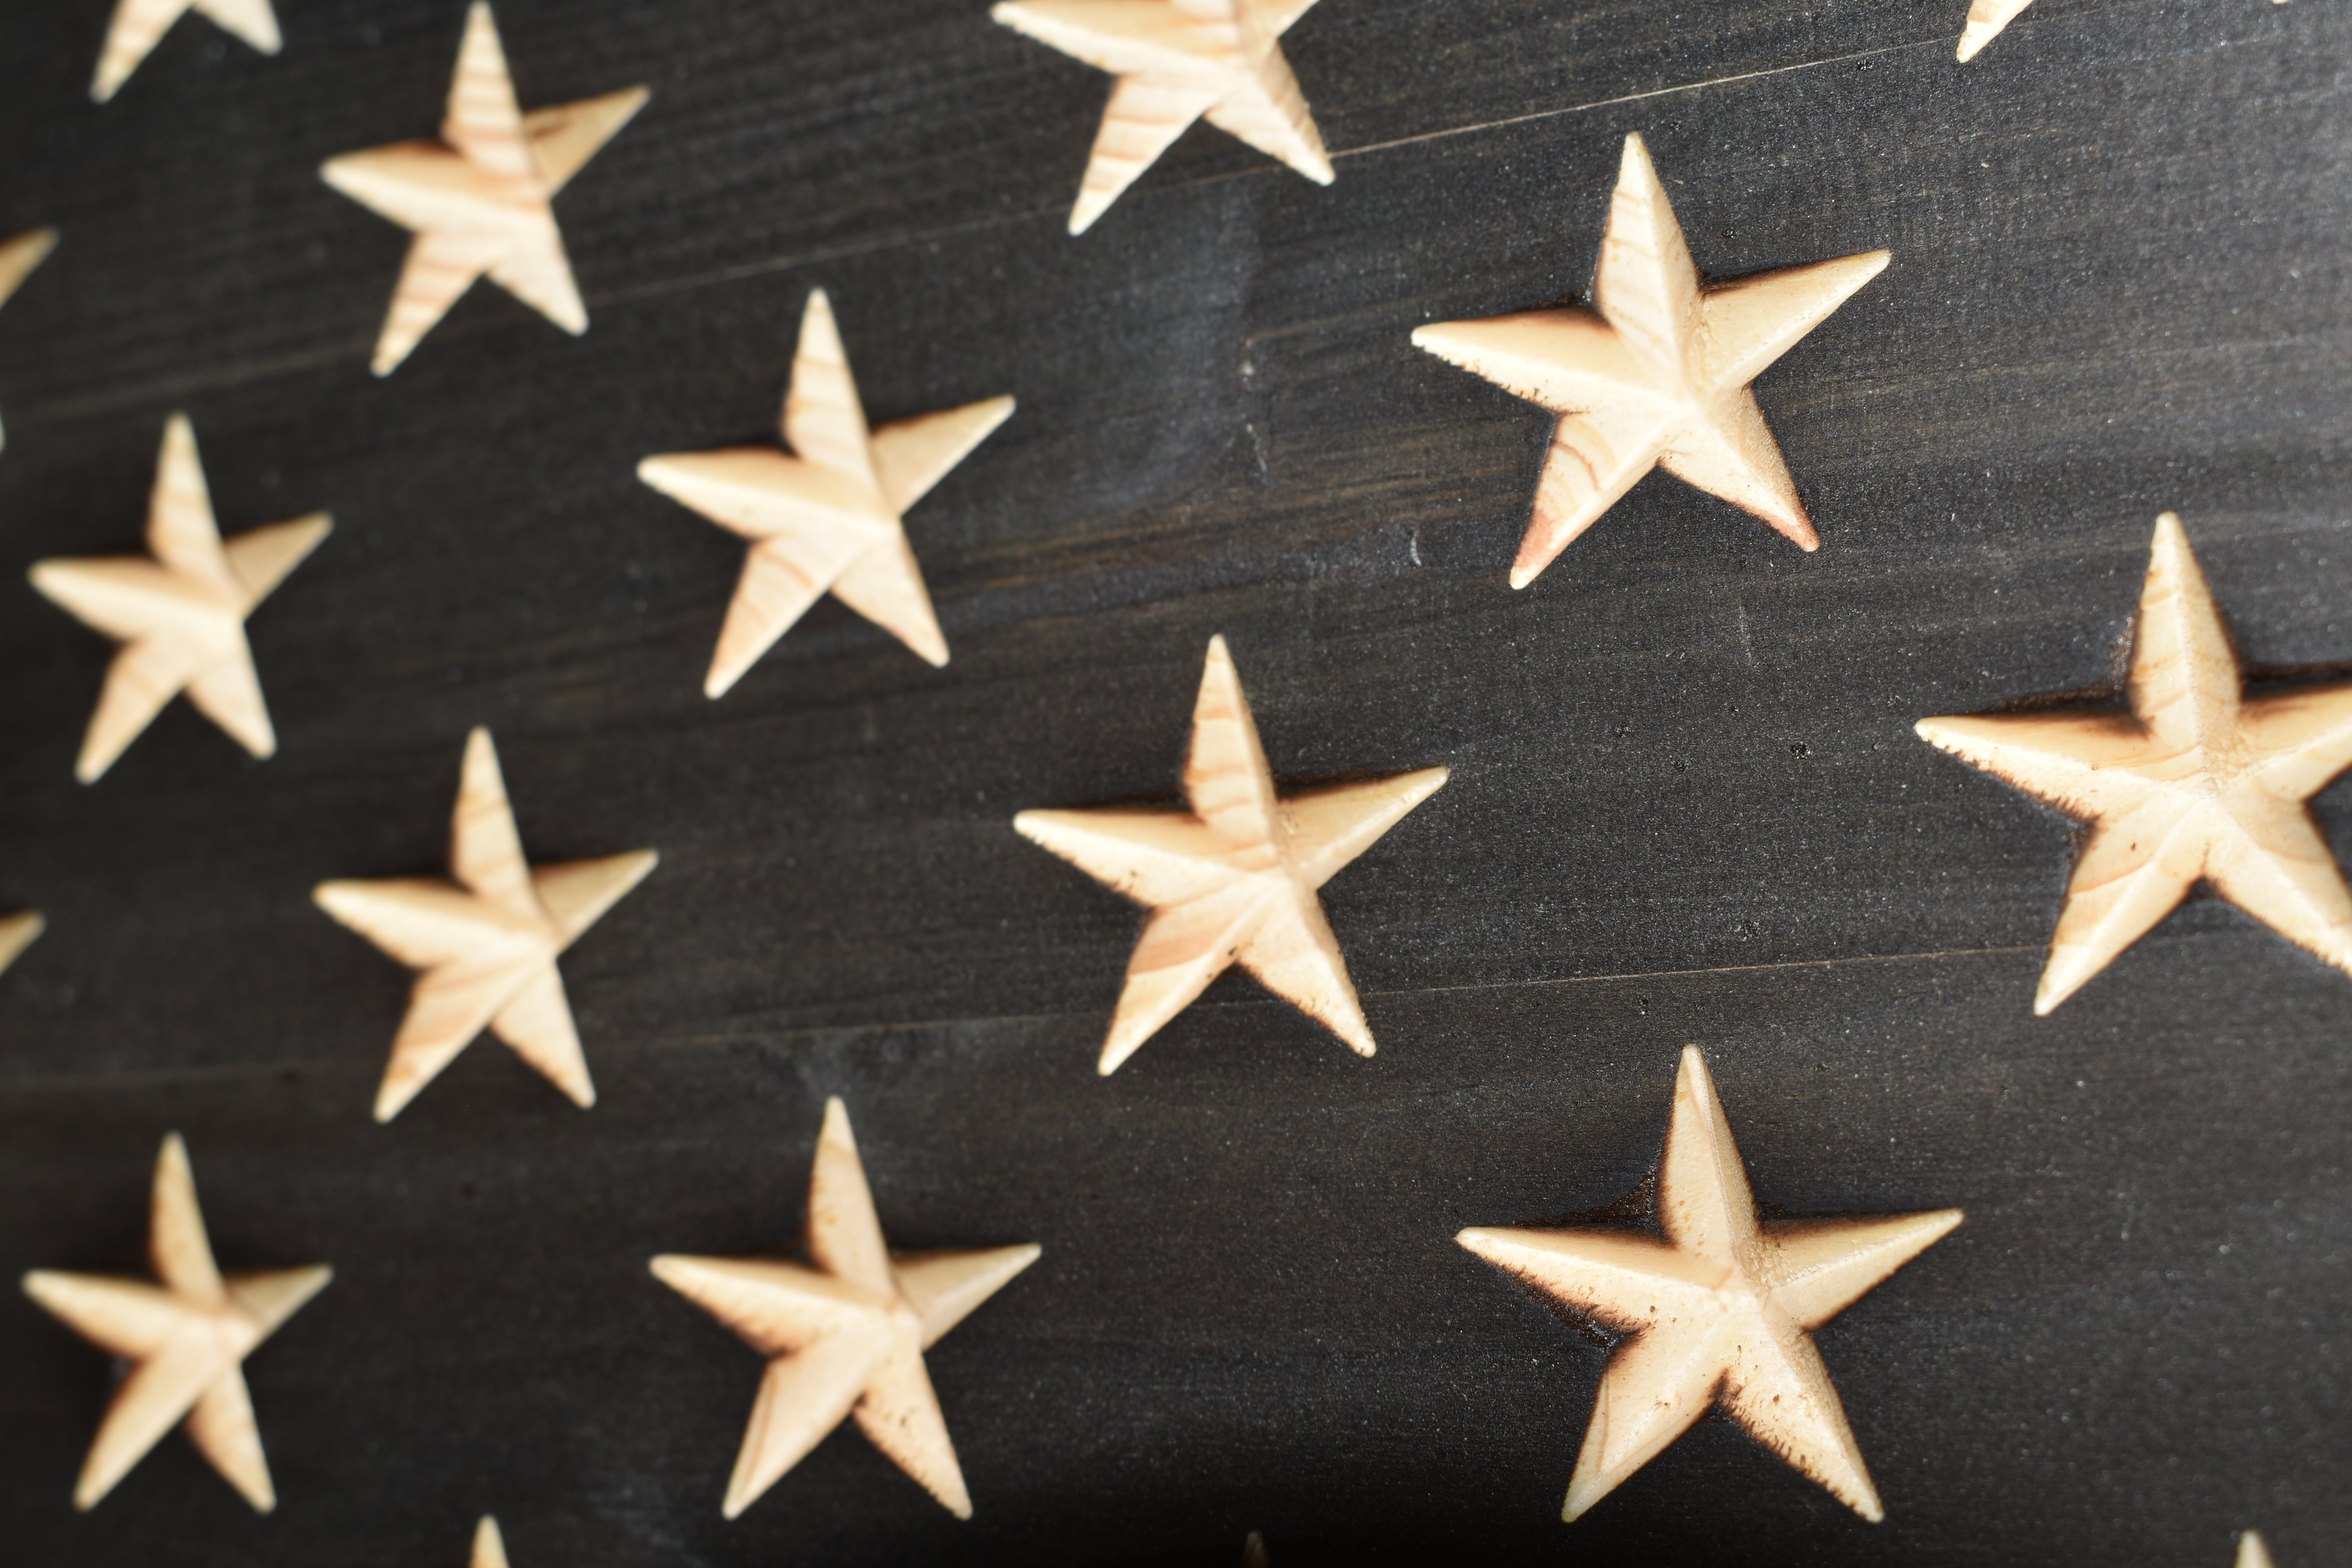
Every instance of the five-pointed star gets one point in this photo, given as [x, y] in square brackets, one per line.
[1177, 61]
[181, 616]
[485, 947]
[1233, 881]
[18, 256]
[140, 24]
[187, 1343]
[1658, 377]
[2195, 784]
[478, 198]
[1723, 1310]
[16, 934]
[826, 516]
[845, 1337]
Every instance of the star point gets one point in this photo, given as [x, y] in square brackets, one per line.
[2197, 782]
[18, 932]
[138, 25]
[1234, 879]
[1657, 374]
[844, 1334]
[180, 615]
[479, 200]
[1986, 19]
[2253, 1551]
[1720, 1313]
[827, 515]
[490, 1546]
[186, 1341]
[485, 945]
[1175, 62]
[18, 256]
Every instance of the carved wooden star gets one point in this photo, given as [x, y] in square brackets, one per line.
[490, 1546]
[2253, 1551]
[826, 517]
[140, 24]
[845, 1337]
[186, 1341]
[1177, 61]
[2195, 784]
[18, 932]
[18, 256]
[181, 616]
[479, 199]
[486, 945]
[1656, 376]
[1722, 1310]
[1234, 879]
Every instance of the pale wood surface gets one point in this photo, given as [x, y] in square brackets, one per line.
[2251, 1550]
[18, 932]
[845, 1338]
[186, 1342]
[138, 25]
[2197, 784]
[489, 1545]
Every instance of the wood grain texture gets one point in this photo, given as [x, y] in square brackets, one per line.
[1686, 803]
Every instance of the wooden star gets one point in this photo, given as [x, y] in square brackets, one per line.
[1234, 879]
[2196, 783]
[186, 1343]
[479, 199]
[845, 1338]
[2252, 1552]
[1986, 19]
[1177, 61]
[1722, 1310]
[486, 945]
[181, 616]
[140, 24]
[490, 1546]
[18, 256]
[18, 932]
[825, 517]
[1656, 376]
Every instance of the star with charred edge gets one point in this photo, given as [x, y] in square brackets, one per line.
[1657, 374]
[186, 1343]
[181, 616]
[486, 947]
[845, 1338]
[1234, 879]
[140, 24]
[479, 199]
[2196, 783]
[18, 256]
[826, 517]
[1175, 62]
[1721, 1311]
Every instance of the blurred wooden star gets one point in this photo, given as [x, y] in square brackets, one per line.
[2253, 1551]
[479, 199]
[1722, 1310]
[1177, 61]
[17, 933]
[140, 24]
[180, 617]
[826, 517]
[1656, 376]
[18, 256]
[486, 945]
[186, 1343]
[1233, 881]
[490, 1546]
[845, 1338]
[2196, 783]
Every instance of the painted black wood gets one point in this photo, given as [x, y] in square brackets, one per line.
[1686, 802]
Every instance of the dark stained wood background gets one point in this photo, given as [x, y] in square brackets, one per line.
[1686, 802]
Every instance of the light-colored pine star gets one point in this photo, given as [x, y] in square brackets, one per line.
[1986, 19]
[845, 1338]
[825, 517]
[1721, 1311]
[186, 1341]
[140, 24]
[18, 932]
[2194, 784]
[2253, 1551]
[1656, 376]
[486, 945]
[18, 256]
[479, 198]
[1177, 61]
[490, 1546]
[181, 616]
[1234, 879]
